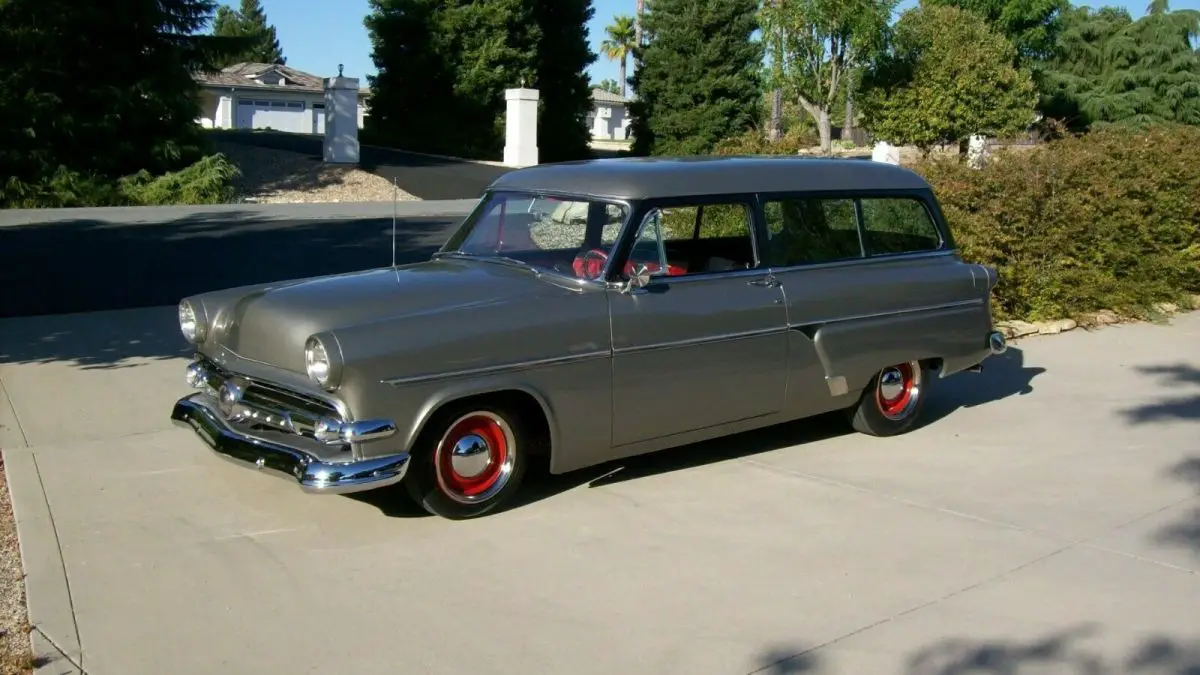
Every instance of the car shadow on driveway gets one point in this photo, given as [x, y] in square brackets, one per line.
[1005, 375]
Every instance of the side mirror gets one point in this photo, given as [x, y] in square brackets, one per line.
[640, 277]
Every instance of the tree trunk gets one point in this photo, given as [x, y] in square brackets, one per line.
[621, 70]
[775, 131]
[637, 24]
[848, 125]
[826, 131]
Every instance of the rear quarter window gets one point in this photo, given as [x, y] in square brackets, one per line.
[894, 225]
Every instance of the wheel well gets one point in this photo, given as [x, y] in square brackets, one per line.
[521, 402]
[934, 364]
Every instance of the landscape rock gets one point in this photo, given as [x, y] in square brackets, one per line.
[1166, 307]
[1056, 327]
[1105, 317]
[1016, 329]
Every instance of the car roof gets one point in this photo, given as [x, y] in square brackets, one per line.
[637, 178]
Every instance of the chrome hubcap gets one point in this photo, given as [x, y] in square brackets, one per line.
[898, 390]
[891, 384]
[470, 456]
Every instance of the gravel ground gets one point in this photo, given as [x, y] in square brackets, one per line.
[15, 656]
[272, 176]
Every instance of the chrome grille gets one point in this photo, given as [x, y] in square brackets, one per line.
[267, 406]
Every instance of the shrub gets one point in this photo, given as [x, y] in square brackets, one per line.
[754, 142]
[208, 181]
[1109, 220]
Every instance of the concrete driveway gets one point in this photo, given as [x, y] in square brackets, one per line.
[1047, 520]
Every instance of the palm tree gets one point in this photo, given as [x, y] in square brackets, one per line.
[641, 14]
[622, 36]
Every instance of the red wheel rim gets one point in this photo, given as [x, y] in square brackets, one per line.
[475, 457]
[898, 389]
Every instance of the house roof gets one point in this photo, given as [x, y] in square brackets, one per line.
[246, 75]
[601, 96]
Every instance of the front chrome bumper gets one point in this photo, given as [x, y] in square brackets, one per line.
[313, 474]
[284, 431]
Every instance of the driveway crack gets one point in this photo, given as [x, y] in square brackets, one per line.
[63, 562]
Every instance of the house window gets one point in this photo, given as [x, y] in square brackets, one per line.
[278, 104]
[295, 104]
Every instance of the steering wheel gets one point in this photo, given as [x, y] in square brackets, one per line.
[590, 263]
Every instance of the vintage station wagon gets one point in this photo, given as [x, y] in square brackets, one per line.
[591, 311]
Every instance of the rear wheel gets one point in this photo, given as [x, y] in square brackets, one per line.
[892, 403]
[470, 462]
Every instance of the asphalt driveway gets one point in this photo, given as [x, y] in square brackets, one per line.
[1047, 520]
[424, 176]
[54, 261]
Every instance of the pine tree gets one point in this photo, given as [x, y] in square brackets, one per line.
[697, 80]
[563, 56]
[254, 23]
[443, 66]
[121, 101]
[250, 24]
[413, 103]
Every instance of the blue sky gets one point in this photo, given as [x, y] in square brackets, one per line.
[317, 35]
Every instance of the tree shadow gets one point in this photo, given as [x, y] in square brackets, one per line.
[1185, 533]
[90, 265]
[1180, 407]
[1058, 652]
[1003, 375]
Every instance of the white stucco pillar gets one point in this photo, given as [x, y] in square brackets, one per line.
[224, 114]
[520, 123]
[885, 152]
[977, 151]
[341, 120]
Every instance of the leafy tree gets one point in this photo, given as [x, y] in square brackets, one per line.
[1110, 69]
[816, 43]
[610, 86]
[619, 44]
[1032, 25]
[119, 102]
[697, 80]
[946, 77]
[249, 22]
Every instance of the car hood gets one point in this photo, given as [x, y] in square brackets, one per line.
[271, 323]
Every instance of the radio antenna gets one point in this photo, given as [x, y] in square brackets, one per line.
[395, 198]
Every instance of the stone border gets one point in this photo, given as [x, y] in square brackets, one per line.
[1018, 329]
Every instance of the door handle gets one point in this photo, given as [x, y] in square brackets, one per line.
[766, 282]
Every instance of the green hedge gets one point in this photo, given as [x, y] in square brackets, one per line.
[1107, 220]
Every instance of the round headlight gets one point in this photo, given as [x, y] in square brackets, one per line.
[316, 361]
[189, 323]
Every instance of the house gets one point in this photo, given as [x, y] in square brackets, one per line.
[266, 95]
[609, 119]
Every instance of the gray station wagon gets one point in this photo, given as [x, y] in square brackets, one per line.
[590, 311]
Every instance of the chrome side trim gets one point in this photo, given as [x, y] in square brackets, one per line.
[891, 312]
[497, 369]
[312, 474]
[708, 339]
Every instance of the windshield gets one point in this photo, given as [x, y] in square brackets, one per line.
[572, 236]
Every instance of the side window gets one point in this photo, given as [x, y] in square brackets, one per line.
[686, 240]
[810, 231]
[898, 225]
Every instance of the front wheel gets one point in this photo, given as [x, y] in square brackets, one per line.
[892, 403]
[470, 463]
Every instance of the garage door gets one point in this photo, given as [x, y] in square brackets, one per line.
[279, 115]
